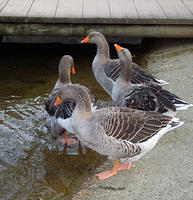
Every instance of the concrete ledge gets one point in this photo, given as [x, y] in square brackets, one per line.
[98, 20]
[78, 30]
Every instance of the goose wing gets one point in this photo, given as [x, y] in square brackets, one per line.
[133, 125]
[64, 110]
[112, 71]
[140, 76]
[150, 98]
[50, 108]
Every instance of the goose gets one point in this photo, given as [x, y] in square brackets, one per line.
[123, 134]
[146, 97]
[107, 70]
[66, 66]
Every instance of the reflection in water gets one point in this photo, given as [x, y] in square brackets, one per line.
[29, 167]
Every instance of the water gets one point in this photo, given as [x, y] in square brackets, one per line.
[30, 167]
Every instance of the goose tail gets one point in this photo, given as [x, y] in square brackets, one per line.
[149, 144]
[175, 123]
[183, 106]
[161, 82]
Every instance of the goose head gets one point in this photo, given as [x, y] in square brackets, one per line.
[99, 40]
[93, 37]
[66, 66]
[125, 58]
[124, 54]
[76, 93]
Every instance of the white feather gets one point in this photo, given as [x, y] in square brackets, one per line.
[161, 82]
[93, 108]
[183, 106]
[66, 124]
[170, 113]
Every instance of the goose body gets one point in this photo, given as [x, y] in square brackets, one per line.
[121, 133]
[66, 66]
[63, 113]
[106, 70]
[146, 97]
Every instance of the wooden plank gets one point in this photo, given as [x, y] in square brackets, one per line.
[189, 5]
[16, 8]
[3, 3]
[69, 9]
[96, 9]
[43, 8]
[125, 9]
[175, 9]
[149, 9]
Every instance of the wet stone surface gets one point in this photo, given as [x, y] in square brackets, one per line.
[165, 172]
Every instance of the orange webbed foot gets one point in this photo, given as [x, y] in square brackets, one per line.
[69, 141]
[117, 167]
[124, 166]
[72, 141]
[106, 174]
[109, 173]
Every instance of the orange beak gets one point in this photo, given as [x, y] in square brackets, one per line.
[73, 70]
[85, 40]
[118, 48]
[58, 101]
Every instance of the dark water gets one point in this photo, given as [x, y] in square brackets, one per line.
[30, 167]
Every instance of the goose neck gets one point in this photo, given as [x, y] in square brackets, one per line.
[125, 75]
[64, 75]
[83, 105]
[103, 48]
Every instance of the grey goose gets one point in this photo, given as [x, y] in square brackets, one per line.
[146, 97]
[107, 70]
[123, 134]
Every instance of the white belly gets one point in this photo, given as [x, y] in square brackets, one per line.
[66, 124]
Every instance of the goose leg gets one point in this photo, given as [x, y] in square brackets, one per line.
[65, 137]
[109, 173]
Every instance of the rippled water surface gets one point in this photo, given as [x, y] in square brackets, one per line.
[30, 166]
